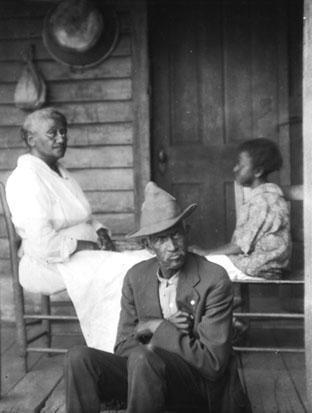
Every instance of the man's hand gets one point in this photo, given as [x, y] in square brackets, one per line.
[182, 320]
[146, 329]
[104, 240]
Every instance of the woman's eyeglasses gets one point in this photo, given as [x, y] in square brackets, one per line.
[53, 133]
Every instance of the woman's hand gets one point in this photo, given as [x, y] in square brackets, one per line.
[104, 240]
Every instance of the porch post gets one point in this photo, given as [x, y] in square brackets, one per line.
[307, 176]
[141, 104]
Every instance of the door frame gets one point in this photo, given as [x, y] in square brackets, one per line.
[141, 104]
[307, 190]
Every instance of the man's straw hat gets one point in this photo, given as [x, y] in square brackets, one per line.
[160, 211]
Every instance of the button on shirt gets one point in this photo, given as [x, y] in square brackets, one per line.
[167, 294]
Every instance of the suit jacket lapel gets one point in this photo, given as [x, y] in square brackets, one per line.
[149, 292]
[187, 295]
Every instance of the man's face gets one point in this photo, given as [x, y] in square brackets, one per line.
[49, 139]
[170, 249]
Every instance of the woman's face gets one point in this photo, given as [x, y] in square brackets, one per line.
[49, 139]
[243, 170]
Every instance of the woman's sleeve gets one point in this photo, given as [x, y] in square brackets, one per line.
[31, 208]
[247, 230]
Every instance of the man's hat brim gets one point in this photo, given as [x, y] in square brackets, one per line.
[97, 53]
[162, 225]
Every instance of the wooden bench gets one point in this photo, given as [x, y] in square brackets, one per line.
[294, 278]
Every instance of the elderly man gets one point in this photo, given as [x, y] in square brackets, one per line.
[173, 342]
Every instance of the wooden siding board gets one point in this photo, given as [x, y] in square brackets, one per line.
[113, 67]
[118, 201]
[77, 91]
[76, 112]
[32, 26]
[97, 179]
[104, 179]
[12, 49]
[107, 157]
[118, 222]
[98, 157]
[82, 135]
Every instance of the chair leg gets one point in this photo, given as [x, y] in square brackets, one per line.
[244, 292]
[241, 304]
[46, 324]
[20, 324]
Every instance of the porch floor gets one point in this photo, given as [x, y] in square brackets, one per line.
[275, 382]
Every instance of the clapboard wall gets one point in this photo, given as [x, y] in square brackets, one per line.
[98, 104]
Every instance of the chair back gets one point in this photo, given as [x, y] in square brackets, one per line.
[14, 240]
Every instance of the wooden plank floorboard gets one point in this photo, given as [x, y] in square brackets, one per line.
[56, 402]
[8, 336]
[12, 368]
[269, 386]
[294, 363]
[275, 383]
[30, 394]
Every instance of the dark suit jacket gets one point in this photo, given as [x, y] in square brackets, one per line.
[205, 290]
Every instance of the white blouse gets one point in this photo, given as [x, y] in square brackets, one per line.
[50, 213]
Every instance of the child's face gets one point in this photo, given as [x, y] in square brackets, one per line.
[243, 170]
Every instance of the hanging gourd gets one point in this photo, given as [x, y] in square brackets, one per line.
[30, 92]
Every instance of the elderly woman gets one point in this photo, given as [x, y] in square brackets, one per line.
[62, 244]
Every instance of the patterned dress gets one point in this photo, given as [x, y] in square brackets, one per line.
[263, 233]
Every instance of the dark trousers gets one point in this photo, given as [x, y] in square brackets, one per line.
[149, 381]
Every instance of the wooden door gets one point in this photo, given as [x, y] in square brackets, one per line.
[218, 76]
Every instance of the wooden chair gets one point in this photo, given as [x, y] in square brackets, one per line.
[293, 278]
[24, 320]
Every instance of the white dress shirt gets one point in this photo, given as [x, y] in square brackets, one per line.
[167, 294]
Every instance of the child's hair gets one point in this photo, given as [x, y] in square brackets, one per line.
[264, 153]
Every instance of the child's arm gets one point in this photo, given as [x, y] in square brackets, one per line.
[227, 249]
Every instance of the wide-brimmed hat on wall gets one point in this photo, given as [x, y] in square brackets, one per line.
[80, 33]
[160, 211]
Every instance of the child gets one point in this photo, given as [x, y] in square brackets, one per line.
[260, 245]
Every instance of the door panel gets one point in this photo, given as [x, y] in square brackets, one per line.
[215, 82]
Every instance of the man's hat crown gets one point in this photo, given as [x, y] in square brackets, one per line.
[160, 211]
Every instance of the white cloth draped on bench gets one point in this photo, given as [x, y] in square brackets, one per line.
[93, 280]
